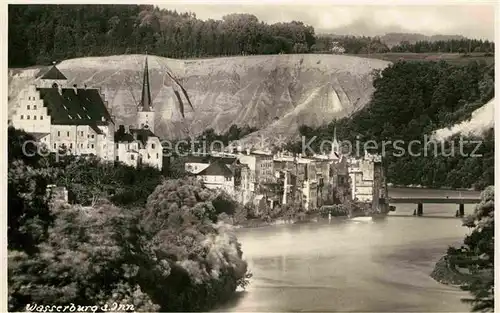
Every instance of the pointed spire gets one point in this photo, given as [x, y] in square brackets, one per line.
[146, 92]
[335, 148]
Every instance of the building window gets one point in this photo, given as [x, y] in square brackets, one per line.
[81, 145]
[55, 146]
[27, 117]
[34, 117]
[34, 107]
[71, 145]
[92, 146]
[81, 133]
[67, 134]
[28, 106]
[22, 117]
[117, 158]
[152, 146]
[132, 157]
[157, 156]
[92, 136]
[149, 156]
[58, 133]
[41, 117]
[116, 145]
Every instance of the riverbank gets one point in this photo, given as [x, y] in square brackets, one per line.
[448, 274]
[420, 187]
[256, 223]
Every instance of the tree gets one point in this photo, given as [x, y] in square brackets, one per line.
[28, 211]
[477, 254]
[204, 259]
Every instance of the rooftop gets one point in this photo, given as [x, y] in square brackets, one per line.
[75, 106]
[54, 73]
[217, 168]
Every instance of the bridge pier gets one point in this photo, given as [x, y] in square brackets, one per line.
[420, 209]
[461, 210]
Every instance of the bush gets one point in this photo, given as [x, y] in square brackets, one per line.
[477, 254]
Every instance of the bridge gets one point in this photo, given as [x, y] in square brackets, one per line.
[420, 203]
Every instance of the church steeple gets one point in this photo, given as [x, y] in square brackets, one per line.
[146, 114]
[145, 105]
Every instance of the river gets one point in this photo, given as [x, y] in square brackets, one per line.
[354, 265]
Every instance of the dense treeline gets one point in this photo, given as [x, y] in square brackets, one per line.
[39, 34]
[413, 99]
[351, 44]
[446, 46]
[368, 45]
[166, 252]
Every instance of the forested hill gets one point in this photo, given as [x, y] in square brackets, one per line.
[41, 34]
[413, 99]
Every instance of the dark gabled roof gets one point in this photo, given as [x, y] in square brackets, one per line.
[54, 73]
[198, 159]
[86, 107]
[217, 168]
[142, 134]
[123, 137]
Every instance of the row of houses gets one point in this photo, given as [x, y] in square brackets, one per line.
[286, 179]
[78, 121]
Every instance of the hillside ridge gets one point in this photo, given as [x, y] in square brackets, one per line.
[275, 93]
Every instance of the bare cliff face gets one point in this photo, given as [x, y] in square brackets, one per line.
[275, 93]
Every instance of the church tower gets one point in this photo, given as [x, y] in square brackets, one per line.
[145, 113]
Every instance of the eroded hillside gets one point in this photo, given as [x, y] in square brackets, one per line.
[275, 93]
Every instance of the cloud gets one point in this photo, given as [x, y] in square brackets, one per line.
[470, 20]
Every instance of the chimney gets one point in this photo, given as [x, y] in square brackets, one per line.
[248, 151]
[135, 135]
[127, 129]
[59, 89]
[103, 119]
[75, 89]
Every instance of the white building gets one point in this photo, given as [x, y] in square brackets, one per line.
[60, 117]
[218, 176]
[78, 120]
[361, 172]
[139, 144]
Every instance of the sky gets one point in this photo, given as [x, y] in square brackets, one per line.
[459, 18]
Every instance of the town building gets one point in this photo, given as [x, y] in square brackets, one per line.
[61, 117]
[138, 144]
[216, 172]
[79, 121]
[368, 182]
[218, 176]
